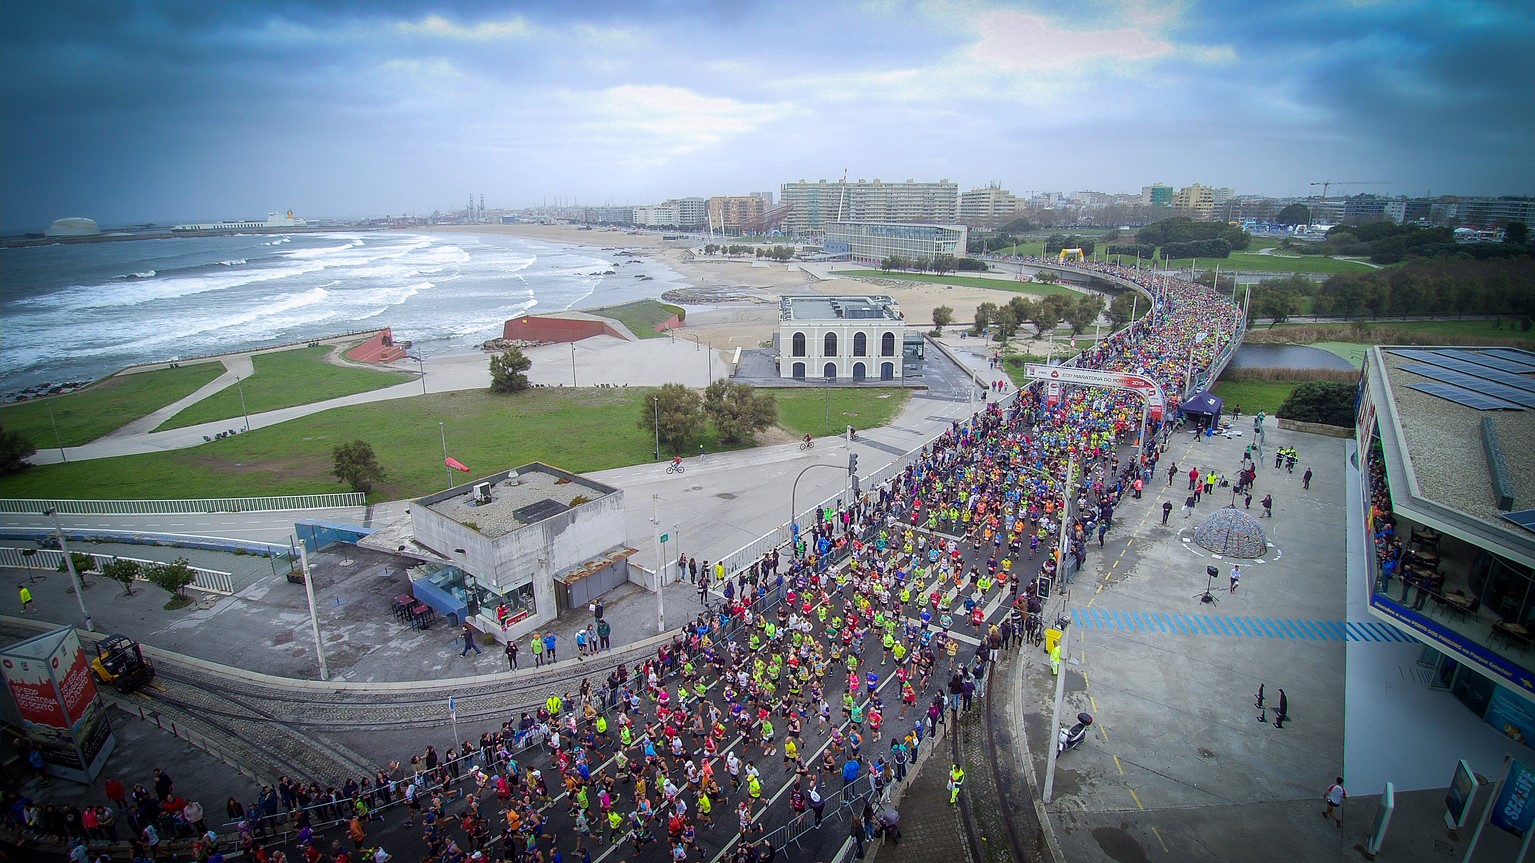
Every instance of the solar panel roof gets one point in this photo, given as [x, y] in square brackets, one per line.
[1466, 397]
[1491, 361]
[1475, 370]
[1524, 358]
[1473, 383]
[1525, 518]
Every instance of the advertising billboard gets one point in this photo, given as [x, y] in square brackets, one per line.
[49, 678]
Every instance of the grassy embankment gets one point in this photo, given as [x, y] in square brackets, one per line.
[576, 429]
[1008, 284]
[642, 316]
[1279, 263]
[105, 406]
[284, 379]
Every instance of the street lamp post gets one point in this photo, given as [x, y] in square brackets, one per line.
[56, 436]
[655, 524]
[443, 431]
[422, 362]
[656, 400]
[241, 384]
[572, 364]
[69, 564]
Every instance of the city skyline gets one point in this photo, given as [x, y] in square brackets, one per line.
[168, 111]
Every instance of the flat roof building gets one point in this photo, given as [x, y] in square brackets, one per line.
[817, 204]
[1444, 509]
[841, 338]
[872, 242]
[536, 539]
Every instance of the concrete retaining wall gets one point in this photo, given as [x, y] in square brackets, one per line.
[379, 349]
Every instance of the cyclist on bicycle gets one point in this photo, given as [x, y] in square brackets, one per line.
[809, 441]
[676, 461]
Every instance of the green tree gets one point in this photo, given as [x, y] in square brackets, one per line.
[506, 371]
[1121, 308]
[944, 264]
[983, 315]
[124, 572]
[942, 316]
[83, 563]
[173, 578]
[1327, 402]
[1050, 311]
[356, 465]
[677, 410]
[15, 449]
[1295, 214]
[738, 411]
[922, 264]
[1083, 312]
[1516, 233]
[1004, 323]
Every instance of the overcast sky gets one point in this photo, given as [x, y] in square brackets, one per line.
[142, 111]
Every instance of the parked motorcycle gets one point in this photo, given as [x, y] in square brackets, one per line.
[1071, 737]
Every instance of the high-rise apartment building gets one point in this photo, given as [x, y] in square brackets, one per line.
[1157, 195]
[818, 204]
[729, 212]
[1196, 197]
[988, 206]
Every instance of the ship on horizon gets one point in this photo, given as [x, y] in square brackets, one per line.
[273, 221]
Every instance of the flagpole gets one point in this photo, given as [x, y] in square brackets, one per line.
[442, 430]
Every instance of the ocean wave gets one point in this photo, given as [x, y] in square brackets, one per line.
[234, 263]
[147, 274]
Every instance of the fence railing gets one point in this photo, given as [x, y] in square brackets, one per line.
[185, 506]
[206, 580]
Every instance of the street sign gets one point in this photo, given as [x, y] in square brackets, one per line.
[665, 537]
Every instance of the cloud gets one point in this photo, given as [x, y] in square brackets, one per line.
[1025, 41]
[443, 28]
[677, 120]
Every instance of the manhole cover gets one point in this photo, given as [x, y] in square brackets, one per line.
[347, 563]
[726, 495]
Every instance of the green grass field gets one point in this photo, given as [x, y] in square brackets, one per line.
[284, 379]
[804, 411]
[1035, 248]
[576, 429]
[1353, 352]
[1253, 396]
[641, 317]
[105, 406]
[1252, 261]
[1016, 287]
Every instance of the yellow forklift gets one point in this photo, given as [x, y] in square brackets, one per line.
[120, 661]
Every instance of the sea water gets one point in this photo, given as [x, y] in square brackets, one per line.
[74, 312]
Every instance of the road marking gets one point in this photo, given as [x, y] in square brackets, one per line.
[1118, 765]
[1137, 799]
[1158, 834]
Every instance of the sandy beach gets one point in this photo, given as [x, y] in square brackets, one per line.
[741, 308]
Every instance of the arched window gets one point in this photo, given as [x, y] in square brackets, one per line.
[799, 371]
[830, 370]
[859, 372]
[830, 343]
[860, 344]
[799, 345]
[887, 345]
[887, 371]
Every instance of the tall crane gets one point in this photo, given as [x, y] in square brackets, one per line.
[1325, 183]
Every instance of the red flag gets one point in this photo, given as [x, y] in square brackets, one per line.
[455, 464]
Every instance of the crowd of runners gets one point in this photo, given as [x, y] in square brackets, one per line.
[813, 679]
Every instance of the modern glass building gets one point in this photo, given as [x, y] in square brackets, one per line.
[872, 242]
[1447, 482]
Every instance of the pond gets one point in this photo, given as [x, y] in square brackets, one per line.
[1299, 357]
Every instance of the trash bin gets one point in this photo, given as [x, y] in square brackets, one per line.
[1052, 638]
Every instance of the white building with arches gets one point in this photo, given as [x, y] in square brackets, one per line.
[844, 338]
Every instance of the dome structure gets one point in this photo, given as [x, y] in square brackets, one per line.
[75, 226]
[1231, 532]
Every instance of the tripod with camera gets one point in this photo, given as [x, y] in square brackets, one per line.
[1207, 597]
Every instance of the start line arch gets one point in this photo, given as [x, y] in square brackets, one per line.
[1153, 399]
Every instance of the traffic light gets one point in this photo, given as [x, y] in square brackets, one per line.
[852, 463]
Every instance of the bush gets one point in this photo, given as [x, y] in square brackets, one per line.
[1325, 402]
[1216, 248]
